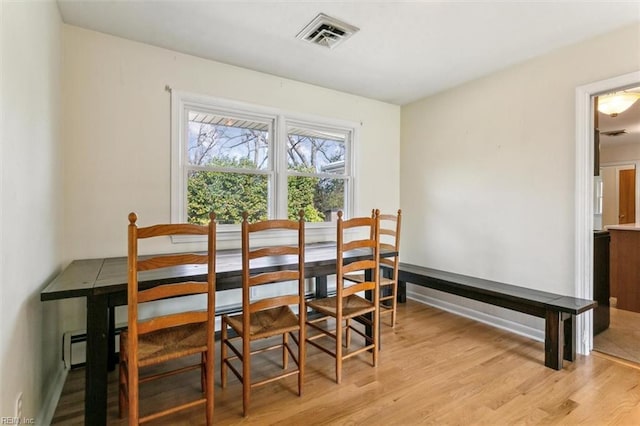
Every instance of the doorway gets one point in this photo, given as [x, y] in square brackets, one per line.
[619, 150]
[584, 205]
[616, 331]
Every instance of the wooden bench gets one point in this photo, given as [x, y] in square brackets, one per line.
[559, 312]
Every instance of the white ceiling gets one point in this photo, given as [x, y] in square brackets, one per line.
[405, 50]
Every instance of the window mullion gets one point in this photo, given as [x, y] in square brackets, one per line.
[280, 166]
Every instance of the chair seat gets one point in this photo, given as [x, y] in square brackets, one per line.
[166, 344]
[352, 306]
[266, 323]
[359, 278]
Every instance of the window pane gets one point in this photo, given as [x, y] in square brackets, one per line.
[216, 140]
[314, 151]
[320, 198]
[227, 195]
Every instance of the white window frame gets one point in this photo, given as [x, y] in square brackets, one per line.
[182, 101]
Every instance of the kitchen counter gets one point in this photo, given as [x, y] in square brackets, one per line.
[625, 227]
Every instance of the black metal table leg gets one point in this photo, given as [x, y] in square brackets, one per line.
[95, 403]
[321, 287]
[402, 292]
[111, 363]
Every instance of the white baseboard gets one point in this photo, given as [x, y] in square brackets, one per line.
[482, 317]
[51, 399]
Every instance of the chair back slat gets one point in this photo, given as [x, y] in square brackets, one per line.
[356, 222]
[389, 261]
[273, 277]
[171, 320]
[172, 290]
[358, 244]
[357, 288]
[172, 229]
[358, 266]
[387, 246]
[390, 232]
[273, 224]
[274, 302]
[170, 260]
[273, 251]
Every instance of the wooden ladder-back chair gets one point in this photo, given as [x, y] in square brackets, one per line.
[159, 339]
[347, 304]
[269, 316]
[389, 241]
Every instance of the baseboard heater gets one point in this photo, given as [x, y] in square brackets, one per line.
[74, 347]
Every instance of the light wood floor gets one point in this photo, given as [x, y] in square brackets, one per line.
[435, 368]
[622, 338]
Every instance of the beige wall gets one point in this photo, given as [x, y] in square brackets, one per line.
[618, 153]
[31, 194]
[117, 135]
[488, 168]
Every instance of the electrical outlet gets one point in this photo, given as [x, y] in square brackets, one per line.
[18, 410]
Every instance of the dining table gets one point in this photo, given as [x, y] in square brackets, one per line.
[103, 282]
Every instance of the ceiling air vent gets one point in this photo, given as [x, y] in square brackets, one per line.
[614, 132]
[326, 31]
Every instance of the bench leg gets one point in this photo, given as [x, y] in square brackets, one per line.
[559, 339]
[569, 336]
[553, 340]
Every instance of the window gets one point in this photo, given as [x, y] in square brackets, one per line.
[317, 179]
[227, 165]
[229, 157]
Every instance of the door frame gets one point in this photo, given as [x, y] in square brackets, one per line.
[584, 145]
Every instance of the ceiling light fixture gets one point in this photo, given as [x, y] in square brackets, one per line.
[616, 103]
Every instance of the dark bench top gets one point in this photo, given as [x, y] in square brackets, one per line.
[530, 301]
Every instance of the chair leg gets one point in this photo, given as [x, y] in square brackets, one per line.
[246, 374]
[285, 355]
[132, 393]
[338, 350]
[301, 357]
[223, 353]
[376, 335]
[394, 304]
[209, 386]
[347, 333]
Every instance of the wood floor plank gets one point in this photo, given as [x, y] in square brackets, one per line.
[435, 368]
